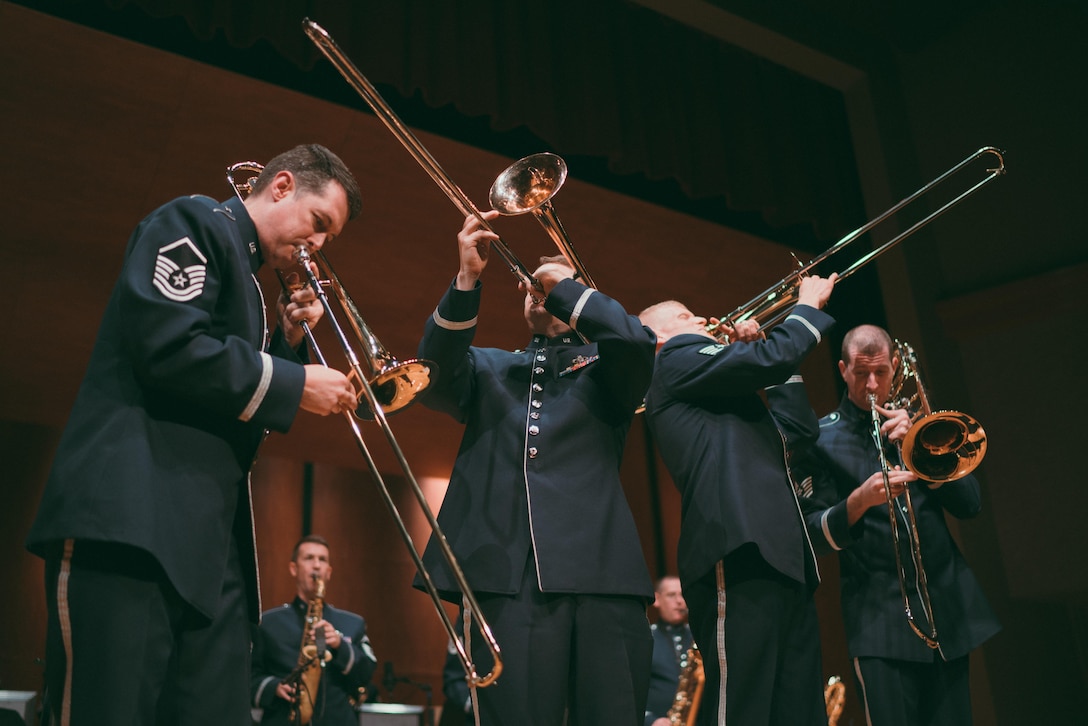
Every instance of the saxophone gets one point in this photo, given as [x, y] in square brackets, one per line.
[689, 690]
[835, 699]
[309, 666]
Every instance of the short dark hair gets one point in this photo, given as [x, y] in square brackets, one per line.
[867, 340]
[315, 539]
[661, 581]
[313, 167]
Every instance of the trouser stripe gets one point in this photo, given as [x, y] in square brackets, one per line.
[864, 695]
[65, 618]
[466, 628]
[723, 669]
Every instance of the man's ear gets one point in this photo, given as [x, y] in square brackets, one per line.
[282, 185]
[292, 567]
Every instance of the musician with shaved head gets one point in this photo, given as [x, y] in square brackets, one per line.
[900, 679]
[745, 560]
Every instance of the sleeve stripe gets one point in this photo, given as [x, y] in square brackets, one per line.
[812, 328]
[351, 655]
[262, 388]
[827, 531]
[795, 378]
[578, 308]
[260, 691]
[451, 324]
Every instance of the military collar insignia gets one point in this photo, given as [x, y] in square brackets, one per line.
[226, 212]
[580, 361]
[712, 349]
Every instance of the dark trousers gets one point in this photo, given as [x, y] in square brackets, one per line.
[583, 660]
[902, 693]
[122, 648]
[760, 642]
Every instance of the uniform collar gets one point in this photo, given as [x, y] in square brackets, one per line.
[247, 230]
[852, 414]
[542, 341]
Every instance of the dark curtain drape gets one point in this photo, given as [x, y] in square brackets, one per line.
[604, 79]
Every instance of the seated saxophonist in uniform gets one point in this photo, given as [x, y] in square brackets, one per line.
[311, 661]
[672, 650]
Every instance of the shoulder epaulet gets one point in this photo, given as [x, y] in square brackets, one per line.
[830, 419]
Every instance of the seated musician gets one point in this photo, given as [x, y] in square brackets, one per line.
[289, 681]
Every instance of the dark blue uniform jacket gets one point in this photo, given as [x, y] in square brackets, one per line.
[276, 649]
[538, 467]
[876, 623]
[671, 643]
[724, 450]
[175, 401]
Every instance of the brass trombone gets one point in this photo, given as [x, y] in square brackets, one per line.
[396, 384]
[940, 446]
[774, 303]
[526, 186]
[388, 386]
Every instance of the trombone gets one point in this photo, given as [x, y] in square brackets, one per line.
[526, 186]
[774, 303]
[396, 384]
[940, 446]
[389, 386]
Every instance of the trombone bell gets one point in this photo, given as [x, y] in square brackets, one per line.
[944, 446]
[528, 184]
[395, 386]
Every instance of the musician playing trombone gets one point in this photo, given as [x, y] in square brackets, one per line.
[745, 561]
[535, 512]
[901, 680]
[145, 523]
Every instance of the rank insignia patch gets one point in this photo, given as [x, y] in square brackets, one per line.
[180, 270]
[712, 349]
